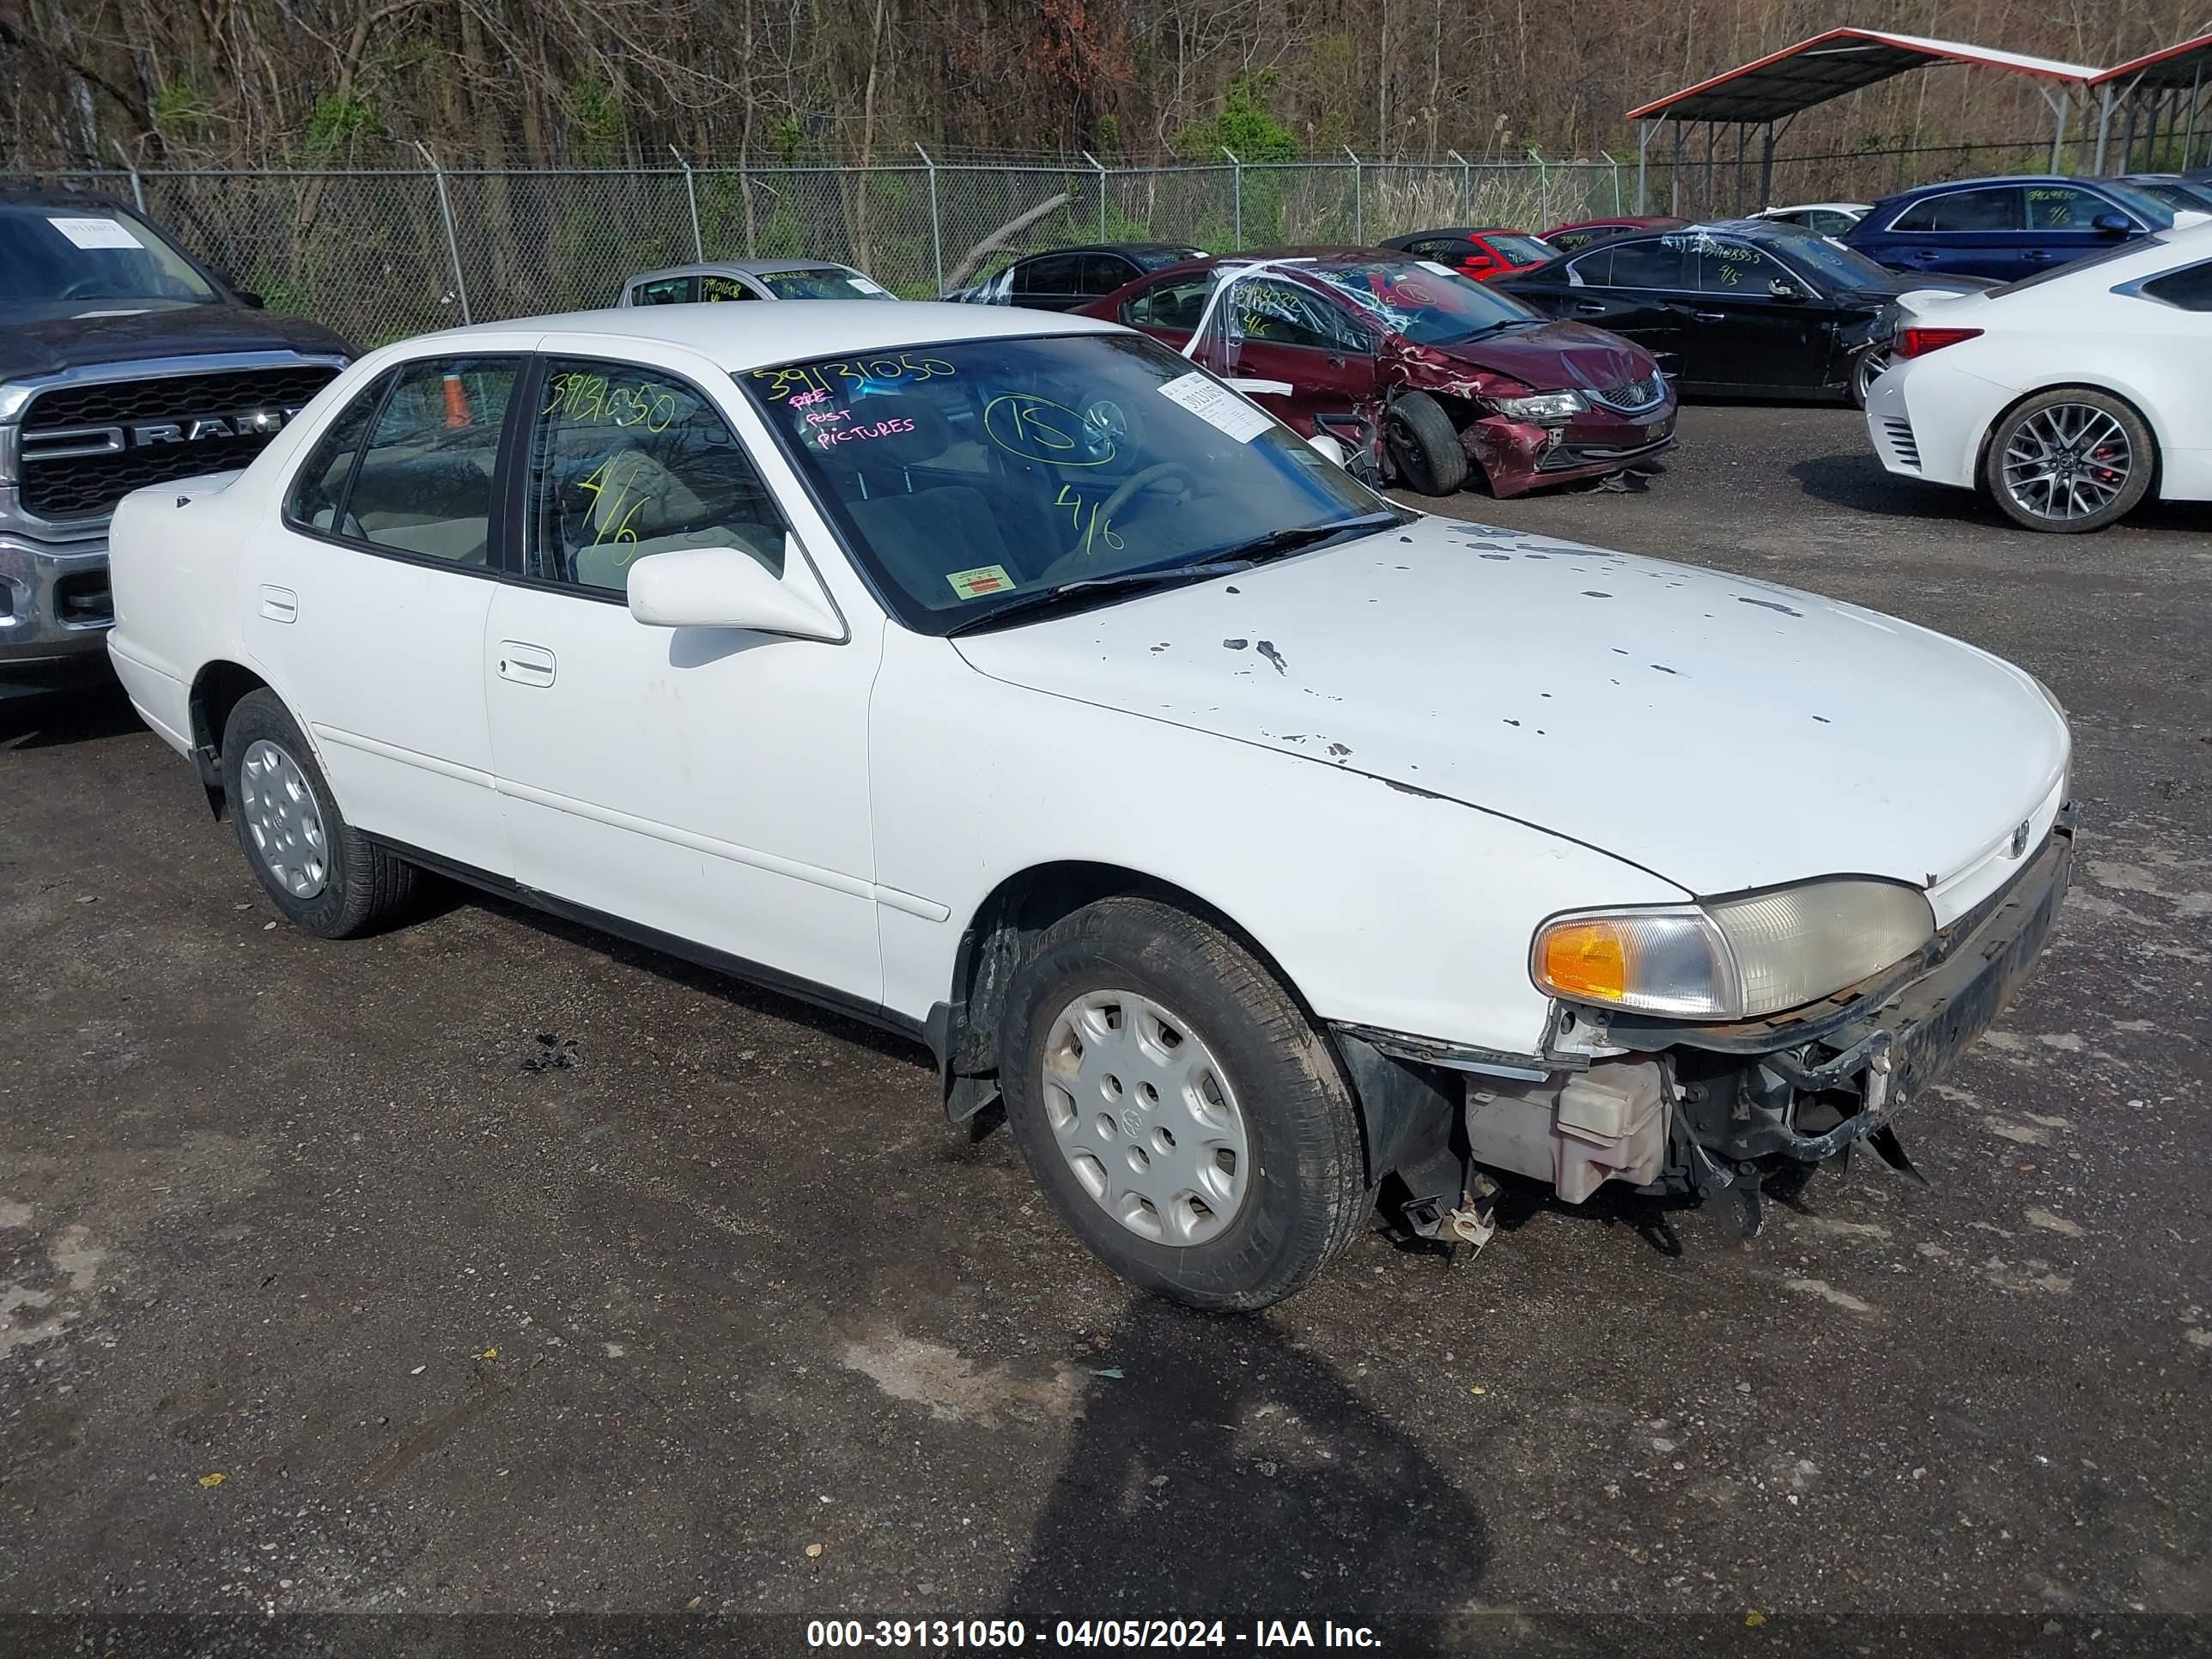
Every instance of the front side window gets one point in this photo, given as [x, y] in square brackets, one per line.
[968, 475]
[1270, 312]
[628, 462]
[713, 288]
[1721, 264]
[1105, 272]
[61, 255]
[423, 484]
[2062, 206]
[1177, 304]
[319, 488]
[665, 291]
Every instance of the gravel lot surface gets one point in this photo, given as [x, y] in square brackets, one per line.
[320, 1291]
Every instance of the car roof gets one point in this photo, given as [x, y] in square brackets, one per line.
[1456, 230]
[753, 337]
[1110, 247]
[1994, 178]
[736, 268]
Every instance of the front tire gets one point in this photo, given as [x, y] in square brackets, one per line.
[324, 875]
[2069, 461]
[1424, 445]
[1182, 1113]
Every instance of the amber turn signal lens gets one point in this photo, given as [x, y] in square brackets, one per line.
[1585, 959]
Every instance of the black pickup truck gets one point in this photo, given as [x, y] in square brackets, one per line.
[123, 361]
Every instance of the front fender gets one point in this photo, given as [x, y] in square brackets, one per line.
[1385, 905]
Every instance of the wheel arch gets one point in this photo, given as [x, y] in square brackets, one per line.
[962, 1030]
[216, 690]
[2103, 389]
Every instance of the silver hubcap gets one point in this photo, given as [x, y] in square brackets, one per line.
[2069, 461]
[1145, 1117]
[1872, 363]
[286, 824]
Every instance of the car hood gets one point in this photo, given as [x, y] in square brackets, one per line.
[47, 339]
[1719, 732]
[1547, 357]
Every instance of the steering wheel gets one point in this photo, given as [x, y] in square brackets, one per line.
[85, 288]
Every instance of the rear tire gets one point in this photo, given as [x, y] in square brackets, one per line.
[1183, 1116]
[1866, 368]
[1424, 445]
[324, 876]
[2069, 461]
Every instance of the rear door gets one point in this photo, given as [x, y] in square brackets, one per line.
[1634, 286]
[1972, 232]
[370, 602]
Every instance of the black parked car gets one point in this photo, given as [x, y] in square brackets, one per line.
[1747, 308]
[1070, 276]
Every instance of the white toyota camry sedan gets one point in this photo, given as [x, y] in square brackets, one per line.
[1266, 852]
[2067, 398]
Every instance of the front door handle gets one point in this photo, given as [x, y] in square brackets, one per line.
[279, 604]
[1710, 316]
[525, 664]
[1591, 308]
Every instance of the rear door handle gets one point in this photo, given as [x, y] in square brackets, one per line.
[279, 604]
[1710, 316]
[525, 664]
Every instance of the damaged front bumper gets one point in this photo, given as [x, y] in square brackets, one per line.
[1518, 456]
[1682, 1108]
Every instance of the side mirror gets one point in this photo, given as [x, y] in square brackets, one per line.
[2111, 224]
[728, 587]
[1781, 290]
[1329, 448]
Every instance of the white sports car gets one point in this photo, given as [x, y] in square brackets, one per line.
[2066, 398]
[1265, 849]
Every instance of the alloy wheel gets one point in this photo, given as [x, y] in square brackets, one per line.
[2067, 461]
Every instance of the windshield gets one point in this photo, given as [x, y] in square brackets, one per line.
[2145, 206]
[1429, 303]
[821, 283]
[1840, 266]
[1522, 249]
[966, 475]
[57, 254]
[2177, 193]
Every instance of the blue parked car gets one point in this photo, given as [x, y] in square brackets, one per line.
[2004, 228]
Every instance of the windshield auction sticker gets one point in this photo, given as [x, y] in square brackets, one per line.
[1217, 405]
[983, 579]
[96, 232]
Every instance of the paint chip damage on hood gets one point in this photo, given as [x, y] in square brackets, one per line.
[1719, 732]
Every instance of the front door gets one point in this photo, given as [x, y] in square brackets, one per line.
[1268, 328]
[1738, 332]
[709, 784]
[370, 605]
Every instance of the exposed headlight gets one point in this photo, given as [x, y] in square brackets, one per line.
[1733, 958]
[1542, 406]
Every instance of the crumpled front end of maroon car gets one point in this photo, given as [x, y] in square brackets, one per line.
[1600, 403]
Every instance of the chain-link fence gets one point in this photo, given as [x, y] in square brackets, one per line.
[382, 254]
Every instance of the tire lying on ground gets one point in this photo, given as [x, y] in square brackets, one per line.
[1182, 1113]
[324, 875]
[1424, 445]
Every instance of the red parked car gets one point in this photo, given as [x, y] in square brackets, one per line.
[1481, 255]
[1574, 238]
[1452, 374]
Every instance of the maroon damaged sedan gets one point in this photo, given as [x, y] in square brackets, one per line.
[1452, 374]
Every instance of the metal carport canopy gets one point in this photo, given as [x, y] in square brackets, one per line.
[2167, 70]
[1828, 65]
